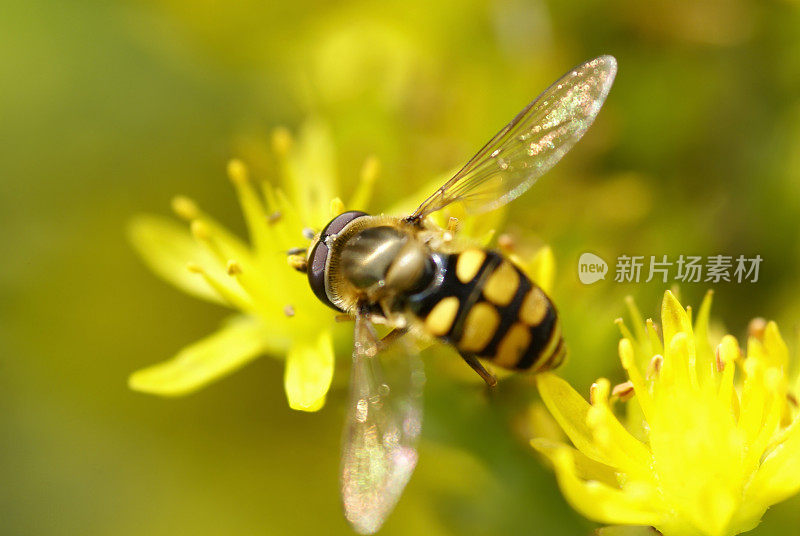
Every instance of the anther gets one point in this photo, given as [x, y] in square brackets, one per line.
[756, 328]
[337, 206]
[792, 399]
[288, 311]
[281, 141]
[654, 367]
[298, 262]
[505, 242]
[343, 318]
[309, 233]
[720, 363]
[233, 268]
[623, 391]
[237, 171]
[199, 230]
[726, 352]
[185, 208]
[274, 218]
[652, 325]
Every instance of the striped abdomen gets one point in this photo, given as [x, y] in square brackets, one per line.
[487, 307]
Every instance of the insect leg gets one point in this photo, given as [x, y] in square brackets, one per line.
[476, 365]
[391, 337]
[452, 225]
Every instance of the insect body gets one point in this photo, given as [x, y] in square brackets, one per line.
[488, 308]
[409, 274]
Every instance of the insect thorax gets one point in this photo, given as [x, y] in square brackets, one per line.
[376, 260]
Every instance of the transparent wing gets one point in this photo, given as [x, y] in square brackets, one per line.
[532, 143]
[384, 420]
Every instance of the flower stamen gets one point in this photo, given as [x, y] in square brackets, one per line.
[185, 208]
[598, 392]
[702, 454]
[250, 275]
[281, 141]
[654, 367]
[233, 268]
[337, 207]
[626, 356]
[506, 243]
[623, 391]
[756, 328]
[234, 299]
[202, 234]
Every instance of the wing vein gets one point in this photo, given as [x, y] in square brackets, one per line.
[531, 144]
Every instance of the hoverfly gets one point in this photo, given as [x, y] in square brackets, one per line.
[407, 273]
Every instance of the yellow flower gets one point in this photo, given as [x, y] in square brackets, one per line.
[277, 314]
[711, 441]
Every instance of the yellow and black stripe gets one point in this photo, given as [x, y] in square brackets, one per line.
[487, 307]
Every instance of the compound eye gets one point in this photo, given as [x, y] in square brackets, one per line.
[318, 259]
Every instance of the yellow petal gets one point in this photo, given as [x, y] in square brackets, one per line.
[705, 355]
[778, 478]
[636, 505]
[309, 370]
[754, 396]
[310, 173]
[585, 467]
[674, 318]
[571, 411]
[681, 362]
[363, 193]
[481, 227]
[625, 530]
[777, 352]
[166, 247]
[655, 342]
[728, 350]
[542, 268]
[542, 425]
[235, 344]
[627, 357]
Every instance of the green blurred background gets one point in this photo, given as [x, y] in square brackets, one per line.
[109, 108]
